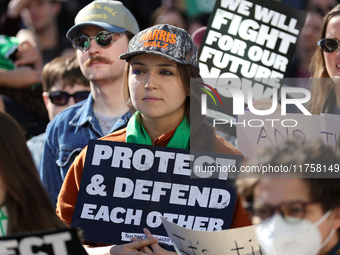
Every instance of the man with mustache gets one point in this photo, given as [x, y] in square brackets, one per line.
[101, 33]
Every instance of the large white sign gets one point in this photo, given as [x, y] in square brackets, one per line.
[238, 241]
[257, 132]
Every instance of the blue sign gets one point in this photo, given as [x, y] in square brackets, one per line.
[126, 187]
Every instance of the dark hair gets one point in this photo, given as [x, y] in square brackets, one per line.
[129, 35]
[162, 10]
[322, 90]
[65, 69]
[324, 190]
[201, 18]
[202, 135]
[309, 5]
[29, 206]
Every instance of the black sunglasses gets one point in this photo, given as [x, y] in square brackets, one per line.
[329, 45]
[103, 39]
[61, 97]
[291, 211]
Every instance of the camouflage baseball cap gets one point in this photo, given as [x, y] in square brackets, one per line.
[112, 16]
[167, 41]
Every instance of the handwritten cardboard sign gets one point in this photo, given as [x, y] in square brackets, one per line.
[59, 242]
[126, 187]
[249, 43]
[238, 241]
[257, 132]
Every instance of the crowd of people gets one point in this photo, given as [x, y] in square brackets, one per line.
[117, 85]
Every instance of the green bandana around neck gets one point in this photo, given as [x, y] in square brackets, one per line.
[135, 133]
[3, 221]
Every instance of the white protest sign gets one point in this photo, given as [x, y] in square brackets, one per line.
[257, 132]
[238, 241]
[334, 116]
[330, 133]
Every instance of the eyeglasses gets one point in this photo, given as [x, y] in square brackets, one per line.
[61, 98]
[329, 45]
[103, 39]
[291, 211]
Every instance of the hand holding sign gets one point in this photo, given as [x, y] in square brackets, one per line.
[155, 248]
[139, 246]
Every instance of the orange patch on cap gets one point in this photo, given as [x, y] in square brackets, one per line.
[158, 35]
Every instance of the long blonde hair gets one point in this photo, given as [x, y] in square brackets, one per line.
[322, 87]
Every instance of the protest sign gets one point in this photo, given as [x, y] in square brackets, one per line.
[59, 242]
[251, 45]
[257, 132]
[328, 115]
[238, 241]
[125, 187]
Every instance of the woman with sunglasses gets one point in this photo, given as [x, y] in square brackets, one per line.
[326, 64]
[295, 216]
[160, 62]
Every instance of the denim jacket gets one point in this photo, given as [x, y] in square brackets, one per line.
[36, 147]
[66, 135]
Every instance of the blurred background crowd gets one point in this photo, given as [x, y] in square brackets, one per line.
[39, 27]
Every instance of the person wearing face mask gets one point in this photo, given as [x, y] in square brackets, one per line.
[295, 215]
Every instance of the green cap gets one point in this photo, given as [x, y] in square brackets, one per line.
[112, 16]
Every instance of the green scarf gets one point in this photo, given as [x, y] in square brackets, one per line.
[3, 220]
[135, 133]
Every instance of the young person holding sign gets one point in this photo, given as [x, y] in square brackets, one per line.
[160, 62]
[326, 92]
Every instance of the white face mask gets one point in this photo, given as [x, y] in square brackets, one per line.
[278, 237]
